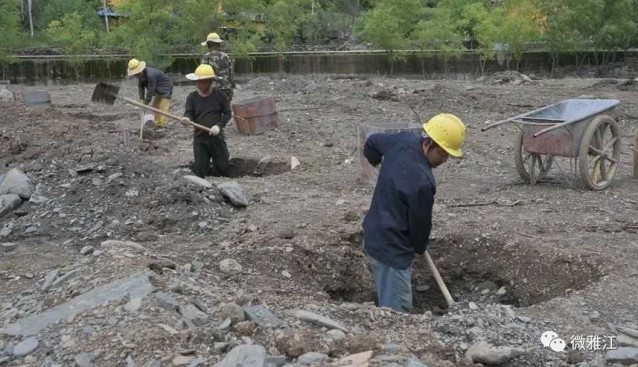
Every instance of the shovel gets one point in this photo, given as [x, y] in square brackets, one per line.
[107, 94]
[439, 280]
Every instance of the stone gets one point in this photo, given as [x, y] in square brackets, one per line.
[482, 352]
[133, 305]
[25, 347]
[626, 341]
[316, 319]
[233, 311]
[220, 347]
[275, 360]
[524, 319]
[473, 306]
[5, 232]
[294, 162]
[166, 301]
[262, 316]
[8, 203]
[193, 314]
[245, 328]
[623, 355]
[234, 192]
[312, 358]
[8, 246]
[355, 360]
[86, 250]
[230, 267]
[136, 285]
[244, 356]
[6, 95]
[84, 359]
[198, 181]
[168, 329]
[336, 335]
[123, 244]
[17, 183]
[181, 360]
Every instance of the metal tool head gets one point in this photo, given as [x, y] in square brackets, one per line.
[105, 93]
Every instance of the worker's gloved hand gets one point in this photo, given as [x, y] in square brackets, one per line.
[185, 120]
[214, 130]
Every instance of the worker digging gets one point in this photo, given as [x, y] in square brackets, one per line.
[155, 87]
[208, 106]
[397, 227]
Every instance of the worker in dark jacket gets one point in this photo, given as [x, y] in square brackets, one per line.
[209, 107]
[155, 87]
[398, 224]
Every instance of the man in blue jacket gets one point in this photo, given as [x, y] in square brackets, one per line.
[398, 224]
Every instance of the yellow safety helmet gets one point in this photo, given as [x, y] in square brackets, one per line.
[203, 71]
[135, 67]
[212, 37]
[448, 132]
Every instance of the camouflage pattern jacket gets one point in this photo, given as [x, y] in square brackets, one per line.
[223, 66]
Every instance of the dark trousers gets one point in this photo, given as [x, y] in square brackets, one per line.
[215, 148]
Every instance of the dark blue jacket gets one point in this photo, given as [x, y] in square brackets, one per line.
[399, 221]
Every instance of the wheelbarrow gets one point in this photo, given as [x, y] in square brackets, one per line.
[574, 128]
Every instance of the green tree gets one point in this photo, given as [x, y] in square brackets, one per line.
[389, 24]
[284, 19]
[9, 28]
[438, 34]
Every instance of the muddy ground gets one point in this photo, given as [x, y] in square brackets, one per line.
[519, 259]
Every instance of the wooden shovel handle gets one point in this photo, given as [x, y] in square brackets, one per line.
[439, 280]
[167, 114]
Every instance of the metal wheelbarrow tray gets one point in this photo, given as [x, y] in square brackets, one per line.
[575, 128]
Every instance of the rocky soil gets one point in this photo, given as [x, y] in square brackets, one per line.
[112, 254]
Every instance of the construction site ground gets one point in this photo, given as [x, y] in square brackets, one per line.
[519, 259]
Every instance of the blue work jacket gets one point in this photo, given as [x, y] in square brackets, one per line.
[399, 221]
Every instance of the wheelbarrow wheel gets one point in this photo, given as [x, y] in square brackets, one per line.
[599, 154]
[530, 166]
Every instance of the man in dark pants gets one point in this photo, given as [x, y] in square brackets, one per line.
[209, 107]
[398, 224]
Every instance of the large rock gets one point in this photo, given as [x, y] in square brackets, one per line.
[234, 192]
[16, 182]
[230, 267]
[136, 285]
[244, 356]
[193, 314]
[8, 203]
[232, 311]
[482, 352]
[25, 347]
[6, 95]
[623, 355]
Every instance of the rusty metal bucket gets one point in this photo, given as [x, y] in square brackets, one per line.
[255, 115]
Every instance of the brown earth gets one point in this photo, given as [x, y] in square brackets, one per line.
[565, 257]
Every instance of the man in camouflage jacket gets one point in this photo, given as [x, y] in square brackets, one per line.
[221, 63]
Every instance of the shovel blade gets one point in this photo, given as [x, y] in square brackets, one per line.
[105, 93]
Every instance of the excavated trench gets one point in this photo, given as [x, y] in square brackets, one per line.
[474, 269]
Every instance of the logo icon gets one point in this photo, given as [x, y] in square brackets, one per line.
[551, 340]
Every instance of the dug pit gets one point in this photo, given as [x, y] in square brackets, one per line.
[473, 269]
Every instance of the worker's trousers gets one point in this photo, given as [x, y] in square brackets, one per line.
[163, 104]
[394, 287]
[214, 148]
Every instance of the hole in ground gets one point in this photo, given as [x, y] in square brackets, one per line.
[484, 271]
[240, 167]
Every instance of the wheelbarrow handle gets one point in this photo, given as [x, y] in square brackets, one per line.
[167, 114]
[513, 118]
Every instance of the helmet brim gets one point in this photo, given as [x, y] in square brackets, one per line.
[138, 69]
[193, 76]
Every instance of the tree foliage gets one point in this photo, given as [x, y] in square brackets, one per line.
[9, 28]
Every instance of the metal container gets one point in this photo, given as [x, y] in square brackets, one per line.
[255, 115]
[367, 173]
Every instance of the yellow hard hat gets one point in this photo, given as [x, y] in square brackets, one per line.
[203, 71]
[448, 132]
[212, 37]
[135, 67]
